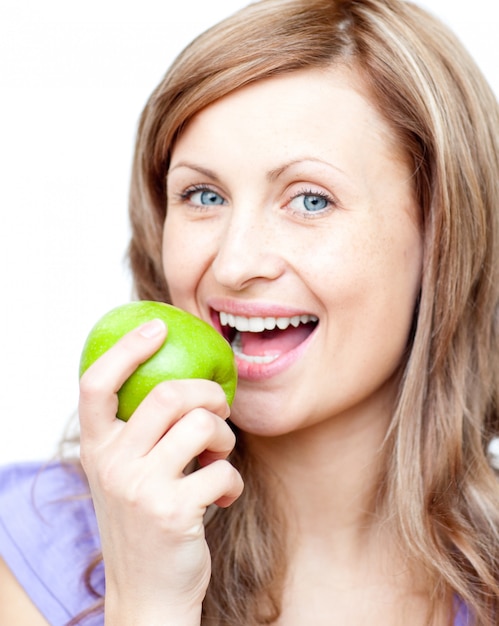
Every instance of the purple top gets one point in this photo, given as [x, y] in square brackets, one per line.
[463, 618]
[48, 536]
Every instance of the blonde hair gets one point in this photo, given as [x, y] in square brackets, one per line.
[438, 488]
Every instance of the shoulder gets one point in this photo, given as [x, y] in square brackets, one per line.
[16, 607]
[48, 535]
[19, 480]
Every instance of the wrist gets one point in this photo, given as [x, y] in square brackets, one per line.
[119, 613]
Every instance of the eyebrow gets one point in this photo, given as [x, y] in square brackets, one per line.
[272, 175]
[197, 168]
[275, 173]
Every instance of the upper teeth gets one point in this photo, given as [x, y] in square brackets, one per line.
[259, 324]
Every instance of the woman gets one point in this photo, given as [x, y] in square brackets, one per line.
[323, 174]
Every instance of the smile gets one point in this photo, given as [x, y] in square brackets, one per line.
[262, 340]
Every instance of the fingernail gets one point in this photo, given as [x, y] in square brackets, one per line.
[151, 329]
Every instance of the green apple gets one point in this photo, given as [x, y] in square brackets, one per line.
[193, 349]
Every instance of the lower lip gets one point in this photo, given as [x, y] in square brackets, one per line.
[263, 371]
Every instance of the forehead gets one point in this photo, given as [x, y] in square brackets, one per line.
[298, 107]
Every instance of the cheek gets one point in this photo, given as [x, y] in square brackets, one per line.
[177, 264]
[393, 284]
[375, 283]
[187, 253]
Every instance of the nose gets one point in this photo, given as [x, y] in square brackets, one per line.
[248, 250]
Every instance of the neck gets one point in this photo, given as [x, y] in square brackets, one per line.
[327, 483]
[329, 474]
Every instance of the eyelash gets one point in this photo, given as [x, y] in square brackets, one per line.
[186, 195]
[307, 191]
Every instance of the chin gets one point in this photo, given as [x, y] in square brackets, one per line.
[260, 420]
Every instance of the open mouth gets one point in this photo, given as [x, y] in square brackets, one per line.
[265, 339]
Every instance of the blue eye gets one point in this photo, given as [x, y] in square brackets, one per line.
[205, 197]
[310, 202]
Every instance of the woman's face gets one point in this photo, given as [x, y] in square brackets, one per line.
[293, 229]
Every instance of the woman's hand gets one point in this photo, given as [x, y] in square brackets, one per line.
[150, 513]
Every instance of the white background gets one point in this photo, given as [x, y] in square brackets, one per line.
[73, 80]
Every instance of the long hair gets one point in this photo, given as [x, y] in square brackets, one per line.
[438, 490]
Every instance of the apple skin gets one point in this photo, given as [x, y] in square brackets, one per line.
[192, 349]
